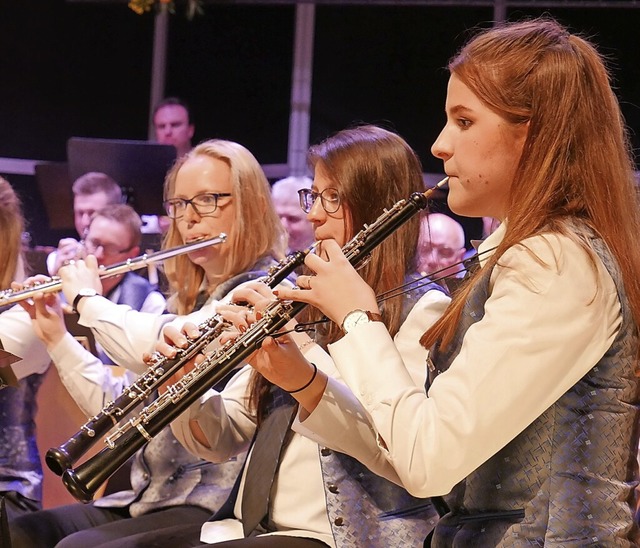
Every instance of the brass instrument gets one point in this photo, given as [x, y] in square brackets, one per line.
[9, 296]
[83, 481]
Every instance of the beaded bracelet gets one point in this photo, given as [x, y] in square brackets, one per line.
[313, 377]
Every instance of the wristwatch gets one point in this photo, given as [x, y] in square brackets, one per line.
[356, 317]
[84, 292]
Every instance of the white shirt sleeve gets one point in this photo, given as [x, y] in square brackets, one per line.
[224, 419]
[550, 316]
[155, 303]
[18, 337]
[341, 422]
[124, 333]
[90, 383]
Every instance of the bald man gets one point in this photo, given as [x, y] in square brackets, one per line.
[287, 204]
[441, 245]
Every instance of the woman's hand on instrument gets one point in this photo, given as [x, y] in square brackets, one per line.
[80, 274]
[335, 289]
[280, 361]
[45, 311]
[174, 339]
[251, 300]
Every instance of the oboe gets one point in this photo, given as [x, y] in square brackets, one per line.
[83, 481]
[160, 369]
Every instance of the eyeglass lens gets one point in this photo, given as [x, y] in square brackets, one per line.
[329, 199]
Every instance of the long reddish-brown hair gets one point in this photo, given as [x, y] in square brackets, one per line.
[576, 161]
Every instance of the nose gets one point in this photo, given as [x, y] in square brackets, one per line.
[98, 252]
[316, 213]
[441, 148]
[191, 214]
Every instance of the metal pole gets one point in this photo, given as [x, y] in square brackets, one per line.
[499, 11]
[159, 62]
[301, 79]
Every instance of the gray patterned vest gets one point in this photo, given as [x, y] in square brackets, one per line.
[568, 479]
[20, 467]
[366, 510]
[164, 474]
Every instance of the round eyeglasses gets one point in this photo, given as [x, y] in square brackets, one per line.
[329, 198]
[92, 245]
[203, 204]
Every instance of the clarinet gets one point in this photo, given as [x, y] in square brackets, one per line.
[84, 480]
[160, 369]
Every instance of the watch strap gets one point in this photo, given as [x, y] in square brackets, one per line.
[81, 294]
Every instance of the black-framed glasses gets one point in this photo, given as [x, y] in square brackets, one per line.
[92, 245]
[203, 204]
[329, 198]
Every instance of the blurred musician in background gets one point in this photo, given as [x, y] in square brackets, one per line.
[20, 467]
[91, 192]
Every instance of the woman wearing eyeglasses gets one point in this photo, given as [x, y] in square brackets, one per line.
[216, 188]
[320, 497]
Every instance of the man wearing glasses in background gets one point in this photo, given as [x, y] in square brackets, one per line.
[113, 236]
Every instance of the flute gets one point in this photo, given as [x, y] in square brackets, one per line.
[9, 296]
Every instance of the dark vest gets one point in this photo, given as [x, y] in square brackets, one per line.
[568, 478]
[134, 289]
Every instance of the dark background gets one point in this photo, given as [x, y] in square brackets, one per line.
[83, 69]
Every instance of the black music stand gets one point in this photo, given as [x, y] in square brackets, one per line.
[138, 166]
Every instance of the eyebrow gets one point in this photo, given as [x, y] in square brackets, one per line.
[457, 109]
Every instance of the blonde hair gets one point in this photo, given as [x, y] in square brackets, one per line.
[256, 232]
[11, 228]
[576, 161]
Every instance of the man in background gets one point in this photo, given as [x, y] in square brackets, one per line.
[287, 204]
[173, 125]
[441, 246]
[91, 192]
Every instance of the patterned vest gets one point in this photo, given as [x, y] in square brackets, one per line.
[566, 480]
[164, 474]
[20, 467]
[365, 510]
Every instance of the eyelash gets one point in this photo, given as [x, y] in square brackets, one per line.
[464, 123]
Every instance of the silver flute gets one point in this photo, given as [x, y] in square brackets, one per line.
[9, 296]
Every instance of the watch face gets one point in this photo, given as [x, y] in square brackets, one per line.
[354, 318]
[88, 292]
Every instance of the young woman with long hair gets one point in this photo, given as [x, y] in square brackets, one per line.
[530, 424]
[218, 187]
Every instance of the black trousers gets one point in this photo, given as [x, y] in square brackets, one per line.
[85, 526]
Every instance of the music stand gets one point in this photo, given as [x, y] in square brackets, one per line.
[138, 166]
[54, 185]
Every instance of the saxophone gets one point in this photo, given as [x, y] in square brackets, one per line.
[83, 481]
